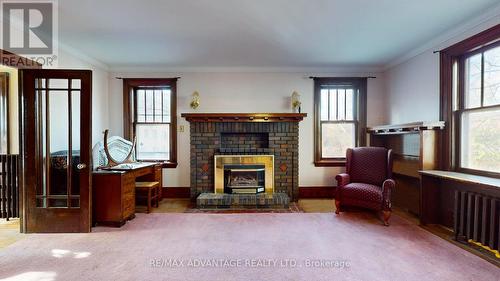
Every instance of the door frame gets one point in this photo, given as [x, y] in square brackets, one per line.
[19, 62]
[29, 171]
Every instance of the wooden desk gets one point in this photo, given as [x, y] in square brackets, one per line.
[113, 192]
[438, 193]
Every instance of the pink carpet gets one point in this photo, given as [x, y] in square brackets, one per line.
[298, 246]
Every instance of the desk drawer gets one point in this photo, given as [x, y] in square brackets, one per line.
[128, 206]
[128, 185]
[142, 172]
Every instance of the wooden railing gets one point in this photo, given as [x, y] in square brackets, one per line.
[9, 186]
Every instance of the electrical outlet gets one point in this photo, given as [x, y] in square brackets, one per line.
[181, 128]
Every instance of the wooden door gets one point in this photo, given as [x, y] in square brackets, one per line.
[56, 150]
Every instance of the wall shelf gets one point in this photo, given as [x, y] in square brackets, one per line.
[406, 128]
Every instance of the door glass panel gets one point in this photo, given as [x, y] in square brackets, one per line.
[59, 150]
[76, 84]
[58, 83]
[40, 83]
[75, 146]
[58, 128]
[41, 187]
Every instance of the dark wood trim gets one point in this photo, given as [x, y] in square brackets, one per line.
[176, 192]
[168, 165]
[330, 163]
[360, 111]
[164, 164]
[128, 110]
[310, 192]
[244, 117]
[484, 38]
[449, 139]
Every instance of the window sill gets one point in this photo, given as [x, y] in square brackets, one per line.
[330, 163]
[463, 177]
[480, 173]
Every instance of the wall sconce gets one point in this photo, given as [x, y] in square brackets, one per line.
[296, 101]
[195, 101]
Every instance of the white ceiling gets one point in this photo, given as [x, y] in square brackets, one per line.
[257, 33]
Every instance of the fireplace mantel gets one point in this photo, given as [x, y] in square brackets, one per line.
[244, 117]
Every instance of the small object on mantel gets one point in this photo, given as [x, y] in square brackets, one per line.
[244, 117]
[406, 127]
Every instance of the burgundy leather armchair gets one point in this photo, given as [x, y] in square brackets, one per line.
[367, 182]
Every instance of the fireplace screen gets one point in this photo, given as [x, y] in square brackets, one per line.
[244, 178]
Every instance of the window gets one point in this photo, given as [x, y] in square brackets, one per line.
[478, 110]
[340, 116]
[152, 122]
[470, 104]
[150, 115]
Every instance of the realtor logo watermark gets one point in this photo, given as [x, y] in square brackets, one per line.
[29, 29]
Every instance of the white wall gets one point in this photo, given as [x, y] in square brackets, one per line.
[413, 85]
[413, 90]
[247, 92]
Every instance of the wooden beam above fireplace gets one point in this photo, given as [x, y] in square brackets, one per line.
[244, 117]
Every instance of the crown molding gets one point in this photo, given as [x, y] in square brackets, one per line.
[355, 70]
[80, 55]
[482, 22]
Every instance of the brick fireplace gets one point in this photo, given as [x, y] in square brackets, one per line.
[244, 134]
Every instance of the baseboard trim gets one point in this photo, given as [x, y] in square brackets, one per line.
[175, 192]
[306, 192]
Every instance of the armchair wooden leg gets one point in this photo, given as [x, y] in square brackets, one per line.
[337, 206]
[387, 216]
